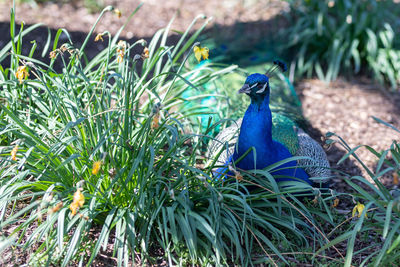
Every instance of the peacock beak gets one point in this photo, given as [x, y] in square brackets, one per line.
[245, 89]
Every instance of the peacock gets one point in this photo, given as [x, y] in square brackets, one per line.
[274, 137]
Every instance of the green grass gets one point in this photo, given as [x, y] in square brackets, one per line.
[154, 192]
[380, 229]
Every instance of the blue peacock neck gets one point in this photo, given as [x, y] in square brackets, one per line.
[256, 131]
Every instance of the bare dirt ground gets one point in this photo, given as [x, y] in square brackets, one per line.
[153, 15]
[344, 107]
[347, 109]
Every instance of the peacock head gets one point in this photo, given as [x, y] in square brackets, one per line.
[255, 86]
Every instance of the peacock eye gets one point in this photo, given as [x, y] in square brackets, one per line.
[254, 85]
[260, 85]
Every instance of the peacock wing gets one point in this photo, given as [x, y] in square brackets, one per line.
[317, 165]
[283, 131]
[225, 139]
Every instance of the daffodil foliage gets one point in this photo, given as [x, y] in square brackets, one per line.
[111, 145]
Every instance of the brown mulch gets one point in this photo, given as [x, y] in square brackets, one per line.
[256, 20]
[347, 109]
[152, 16]
[343, 107]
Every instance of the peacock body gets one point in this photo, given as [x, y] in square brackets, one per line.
[274, 137]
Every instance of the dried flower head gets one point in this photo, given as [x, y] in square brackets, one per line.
[63, 48]
[53, 54]
[74, 51]
[99, 37]
[358, 209]
[14, 153]
[57, 207]
[238, 176]
[96, 167]
[395, 178]
[22, 73]
[155, 121]
[145, 53]
[78, 201]
[117, 12]
[335, 202]
[121, 51]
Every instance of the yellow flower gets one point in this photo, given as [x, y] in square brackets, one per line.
[99, 37]
[358, 209]
[200, 52]
[78, 201]
[96, 167]
[22, 73]
[14, 153]
[118, 12]
[145, 53]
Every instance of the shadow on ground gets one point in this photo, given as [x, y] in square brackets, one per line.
[244, 44]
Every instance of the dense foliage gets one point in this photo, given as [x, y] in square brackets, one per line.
[108, 155]
[379, 219]
[345, 36]
[111, 144]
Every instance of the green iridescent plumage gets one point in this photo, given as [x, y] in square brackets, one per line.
[283, 131]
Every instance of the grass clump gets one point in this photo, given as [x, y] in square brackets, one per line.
[341, 36]
[373, 235]
[110, 144]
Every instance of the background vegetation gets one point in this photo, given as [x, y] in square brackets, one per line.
[343, 36]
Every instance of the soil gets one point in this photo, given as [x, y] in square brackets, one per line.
[152, 16]
[344, 107]
[347, 108]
